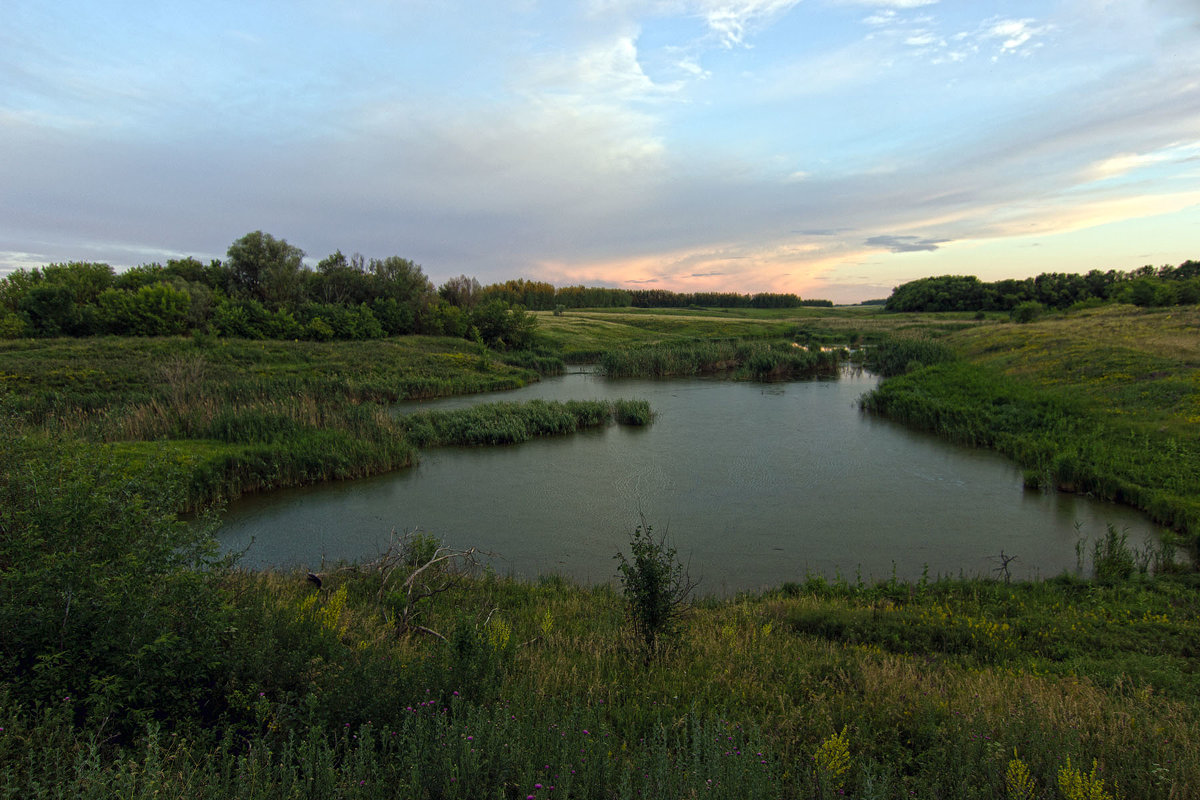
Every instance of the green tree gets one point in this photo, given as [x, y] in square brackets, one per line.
[50, 310]
[462, 292]
[504, 327]
[266, 269]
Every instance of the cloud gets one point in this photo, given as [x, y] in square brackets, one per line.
[1124, 163]
[905, 244]
[891, 3]
[1013, 34]
[733, 20]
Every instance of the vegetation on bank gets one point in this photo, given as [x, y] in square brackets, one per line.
[141, 664]
[1102, 402]
[227, 417]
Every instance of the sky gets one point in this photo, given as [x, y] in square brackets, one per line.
[832, 148]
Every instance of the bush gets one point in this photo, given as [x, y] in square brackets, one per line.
[1027, 311]
[656, 586]
[106, 599]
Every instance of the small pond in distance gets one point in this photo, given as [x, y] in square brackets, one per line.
[756, 484]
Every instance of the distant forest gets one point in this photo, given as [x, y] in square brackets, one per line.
[263, 290]
[1147, 286]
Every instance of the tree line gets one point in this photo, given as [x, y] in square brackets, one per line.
[264, 290]
[542, 296]
[1146, 286]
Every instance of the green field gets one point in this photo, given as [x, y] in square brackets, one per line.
[138, 663]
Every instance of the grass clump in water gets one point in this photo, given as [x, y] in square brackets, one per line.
[511, 423]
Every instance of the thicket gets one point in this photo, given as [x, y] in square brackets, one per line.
[263, 290]
[1145, 286]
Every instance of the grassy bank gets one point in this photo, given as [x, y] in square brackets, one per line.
[1103, 402]
[226, 417]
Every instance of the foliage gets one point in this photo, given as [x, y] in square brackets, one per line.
[95, 575]
[266, 269]
[1145, 286]
[263, 291]
[656, 586]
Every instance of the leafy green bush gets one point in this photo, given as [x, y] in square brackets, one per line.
[107, 600]
[1027, 311]
[657, 588]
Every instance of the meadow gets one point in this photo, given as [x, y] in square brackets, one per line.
[141, 663]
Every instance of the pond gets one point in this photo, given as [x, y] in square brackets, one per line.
[755, 485]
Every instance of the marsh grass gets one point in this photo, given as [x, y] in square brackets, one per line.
[511, 423]
[740, 359]
[232, 416]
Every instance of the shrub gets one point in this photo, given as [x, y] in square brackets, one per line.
[1027, 311]
[105, 597]
[657, 588]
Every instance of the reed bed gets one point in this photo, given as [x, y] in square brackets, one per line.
[512, 423]
[740, 359]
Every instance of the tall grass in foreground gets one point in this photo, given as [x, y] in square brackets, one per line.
[741, 359]
[892, 690]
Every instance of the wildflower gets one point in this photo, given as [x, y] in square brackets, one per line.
[1076, 784]
[1017, 780]
[833, 758]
